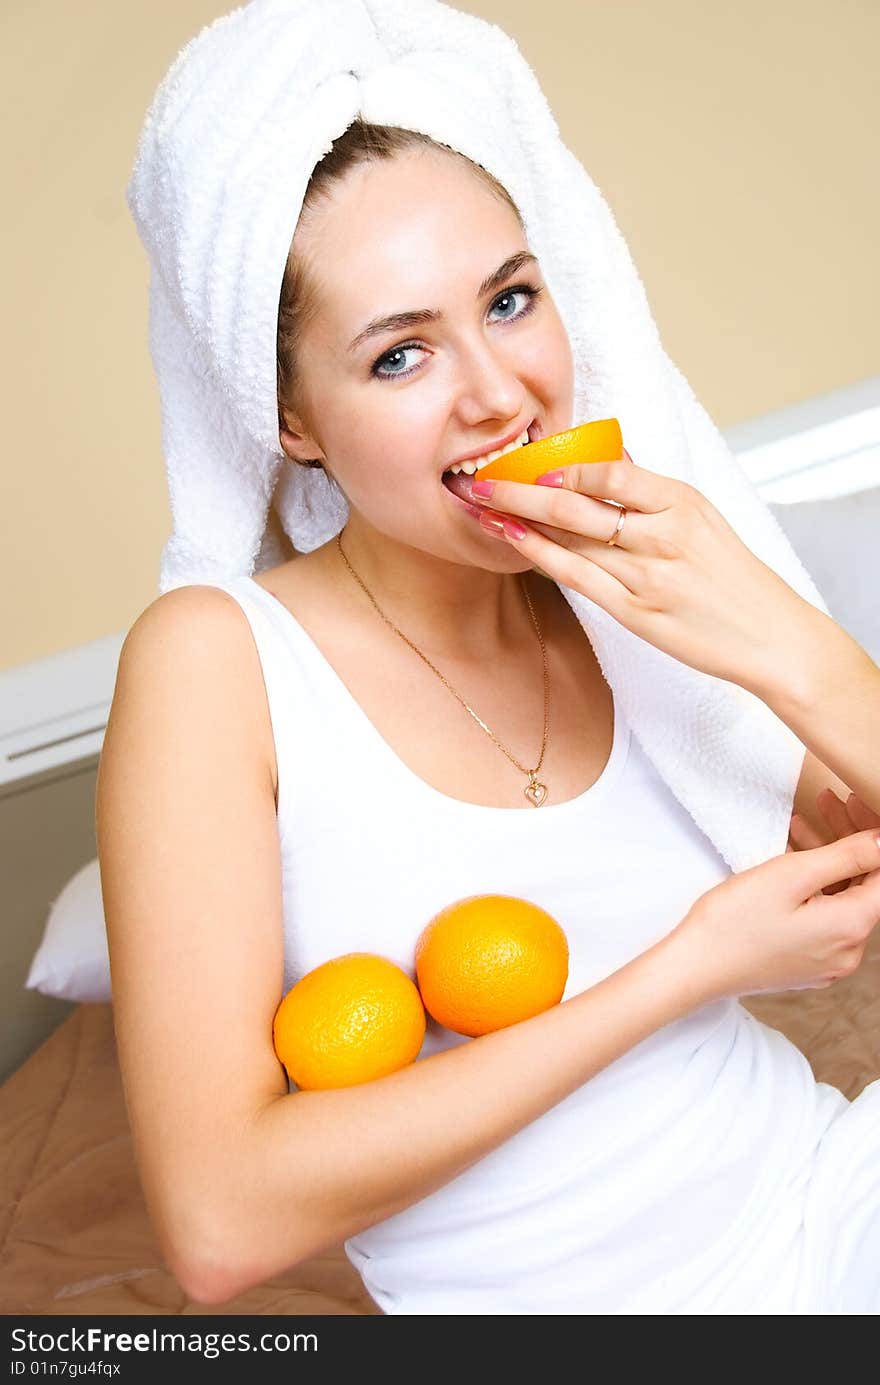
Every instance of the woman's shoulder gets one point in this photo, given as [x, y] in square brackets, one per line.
[197, 603]
[191, 654]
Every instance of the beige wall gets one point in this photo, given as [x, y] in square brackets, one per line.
[734, 144]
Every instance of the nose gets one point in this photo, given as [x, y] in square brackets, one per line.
[488, 386]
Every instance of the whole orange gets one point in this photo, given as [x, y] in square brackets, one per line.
[488, 961]
[349, 1020]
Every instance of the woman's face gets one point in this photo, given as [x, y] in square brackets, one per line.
[393, 406]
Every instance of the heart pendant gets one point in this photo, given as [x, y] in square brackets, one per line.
[535, 793]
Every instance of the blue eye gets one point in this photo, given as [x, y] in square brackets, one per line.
[529, 291]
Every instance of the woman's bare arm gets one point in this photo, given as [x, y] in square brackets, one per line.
[241, 1177]
[339, 1161]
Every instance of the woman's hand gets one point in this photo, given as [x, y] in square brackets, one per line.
[843, 819]
[678, 575]
[773, 928]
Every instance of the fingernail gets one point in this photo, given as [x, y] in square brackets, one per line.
[516, 531]
[495, 526]
[483, 488]
[551, 478]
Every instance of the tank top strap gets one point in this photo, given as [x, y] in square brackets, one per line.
[308, 754]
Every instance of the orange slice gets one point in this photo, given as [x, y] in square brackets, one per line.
[601, 441]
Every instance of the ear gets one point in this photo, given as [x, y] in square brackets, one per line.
[296, 441]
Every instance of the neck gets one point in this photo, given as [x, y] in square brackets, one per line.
[449, 610]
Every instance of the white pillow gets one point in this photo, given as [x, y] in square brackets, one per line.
[73, 960]
[836, 541]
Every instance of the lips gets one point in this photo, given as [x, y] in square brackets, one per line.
[460, 482]
[495, 447]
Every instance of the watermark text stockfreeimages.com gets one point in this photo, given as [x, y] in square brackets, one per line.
[97, 1339]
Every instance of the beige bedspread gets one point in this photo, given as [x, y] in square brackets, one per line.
[73, 1226]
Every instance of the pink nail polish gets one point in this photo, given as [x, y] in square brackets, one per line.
[514, 530]
[483, 488]
[551, 478]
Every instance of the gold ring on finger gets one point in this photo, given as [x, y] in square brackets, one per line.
[620, 521]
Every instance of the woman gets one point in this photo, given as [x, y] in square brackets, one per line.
[645, 1146]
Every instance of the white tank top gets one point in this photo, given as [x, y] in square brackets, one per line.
[669, 1182]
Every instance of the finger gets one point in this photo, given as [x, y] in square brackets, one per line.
[835, 814]
[571, 569]
[858, 908]
[565, 510]
[806, 838]
[856, 855]
[804, 835]
[624, 483]
[860, 813]
[611, 557]
[620, 481]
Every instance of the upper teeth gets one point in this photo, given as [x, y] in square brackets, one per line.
[476, 463]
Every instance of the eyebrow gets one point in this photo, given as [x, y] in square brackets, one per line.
[415, 317]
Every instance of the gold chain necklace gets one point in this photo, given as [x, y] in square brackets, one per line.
[534, 792]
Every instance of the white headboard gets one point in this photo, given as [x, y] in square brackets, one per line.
[821, 448]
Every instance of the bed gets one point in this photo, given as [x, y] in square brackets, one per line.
[76, 1238]
[75, 1232]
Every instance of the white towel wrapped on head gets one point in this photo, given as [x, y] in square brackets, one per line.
[247, 109]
